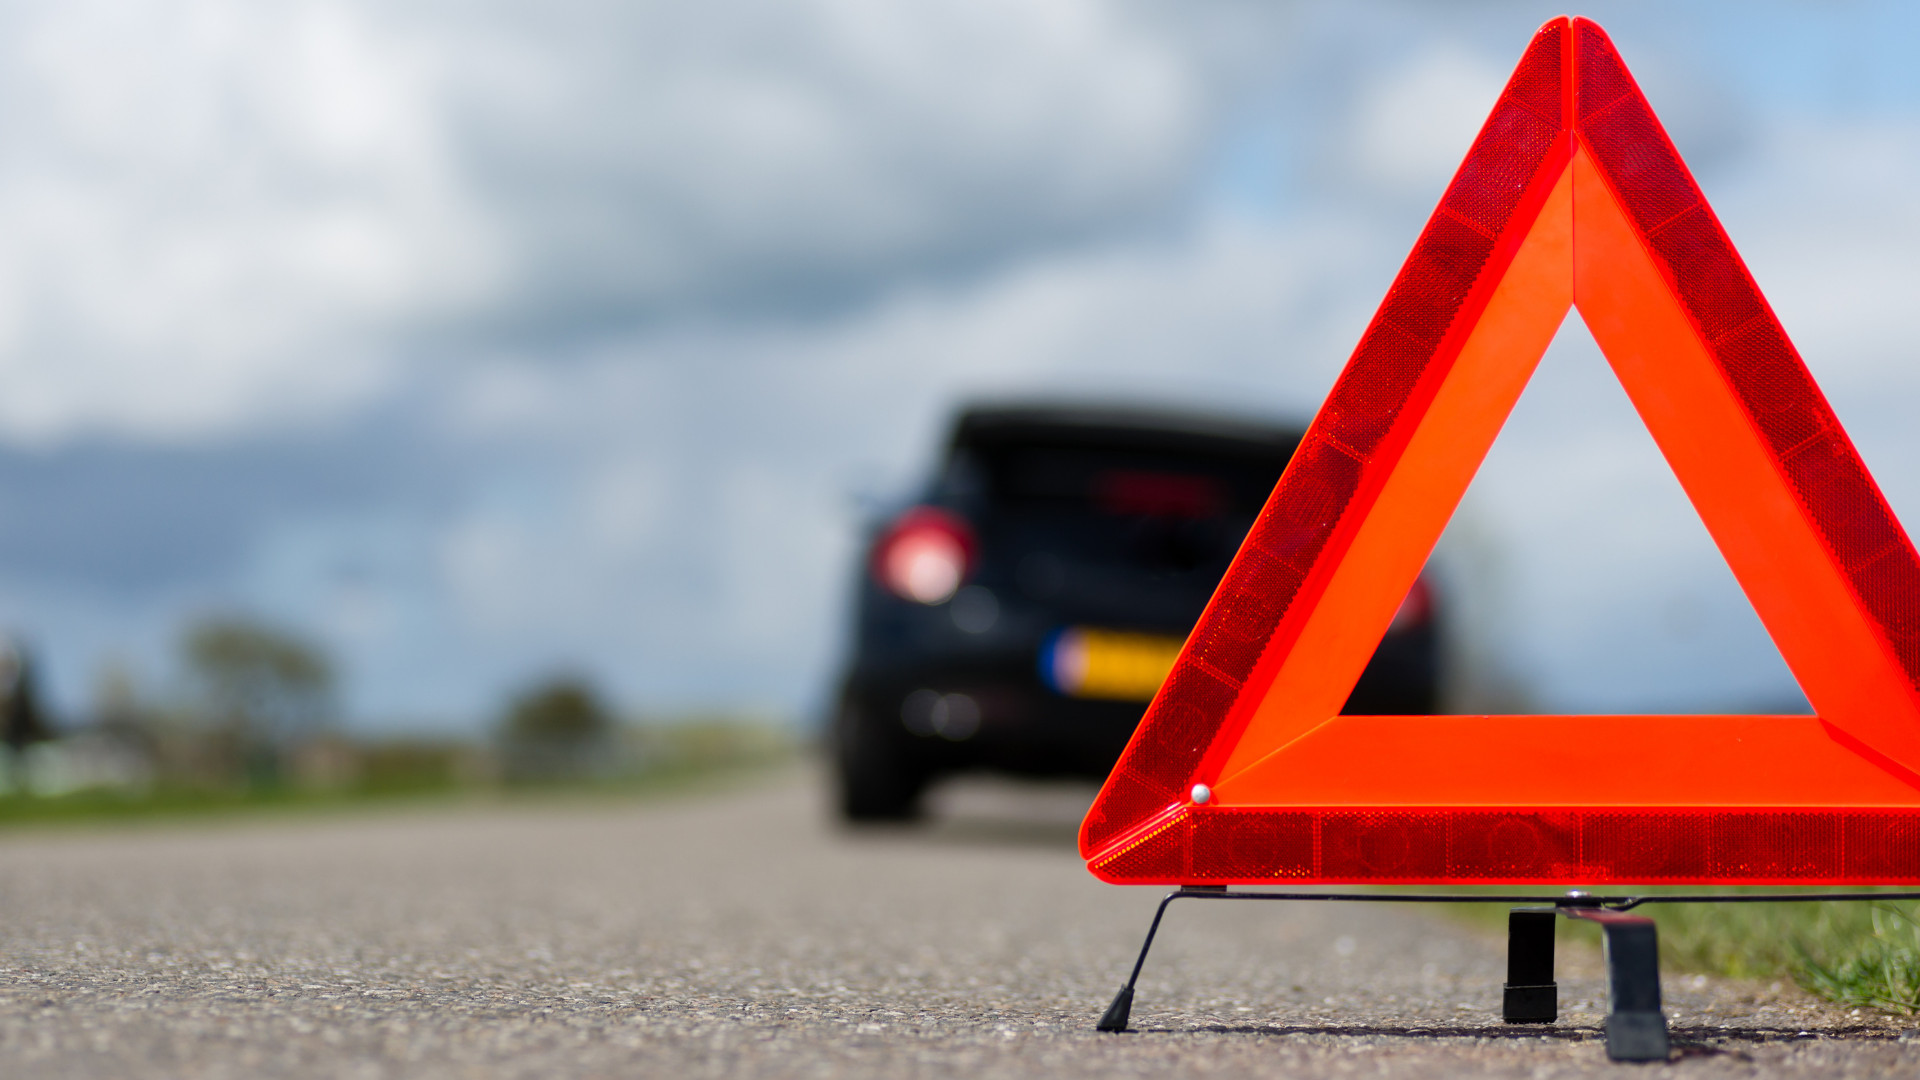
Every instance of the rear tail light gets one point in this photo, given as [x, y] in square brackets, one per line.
[1416, 610]
[925, 555]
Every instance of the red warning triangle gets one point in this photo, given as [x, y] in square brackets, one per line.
[1244, 772]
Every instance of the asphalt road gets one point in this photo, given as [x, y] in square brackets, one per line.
[738, 934]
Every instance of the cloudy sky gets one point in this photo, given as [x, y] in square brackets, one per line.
[482, 339]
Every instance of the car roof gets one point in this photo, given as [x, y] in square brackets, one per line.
[1110, 425]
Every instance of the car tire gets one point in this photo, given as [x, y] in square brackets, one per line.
[876, 781]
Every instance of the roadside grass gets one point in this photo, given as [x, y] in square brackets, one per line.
[1854, 953]
[702, 759]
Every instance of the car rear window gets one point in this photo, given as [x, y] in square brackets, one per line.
[1124, 481]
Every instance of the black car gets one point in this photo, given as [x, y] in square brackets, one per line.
[1020, 616]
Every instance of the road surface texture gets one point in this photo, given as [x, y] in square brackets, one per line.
[739, 934]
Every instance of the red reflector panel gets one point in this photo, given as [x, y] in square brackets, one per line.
[1599, 846]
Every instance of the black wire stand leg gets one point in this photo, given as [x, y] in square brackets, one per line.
[1117, 1014]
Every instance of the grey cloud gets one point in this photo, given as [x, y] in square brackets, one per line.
[224, 214]
[132, 520]
[769, 245]
[659, 157]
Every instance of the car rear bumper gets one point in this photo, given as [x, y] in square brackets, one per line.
[993, 712]
[958, 718]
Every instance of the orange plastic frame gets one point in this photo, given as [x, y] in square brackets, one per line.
[1606, 218]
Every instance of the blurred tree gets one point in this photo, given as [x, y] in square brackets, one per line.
[557, 729]
[116, 696]
[565, 708]
[21, 722]
[262, 687]
[119, 710]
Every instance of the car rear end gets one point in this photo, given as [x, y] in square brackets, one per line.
[1020, 615]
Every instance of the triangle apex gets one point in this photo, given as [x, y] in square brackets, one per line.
[1589, 27]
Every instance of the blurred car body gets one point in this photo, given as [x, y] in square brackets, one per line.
[1021, 614]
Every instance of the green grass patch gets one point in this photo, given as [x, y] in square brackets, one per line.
[1862, 953]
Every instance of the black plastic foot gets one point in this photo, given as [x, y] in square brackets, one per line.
[1115, 1018]
[1637, 1036]
[1530, 996]
[1530, 1004]
[1636, 1028]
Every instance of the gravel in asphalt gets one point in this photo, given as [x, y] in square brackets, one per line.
[739, 933]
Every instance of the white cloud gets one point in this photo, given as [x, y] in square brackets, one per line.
[201, 203]
[216, 215]
[661, 156]
[641, 294]
[1414, 125]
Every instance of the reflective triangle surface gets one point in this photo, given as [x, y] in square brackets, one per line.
[1243, 771]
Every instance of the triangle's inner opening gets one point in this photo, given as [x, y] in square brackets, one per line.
[1575, 576]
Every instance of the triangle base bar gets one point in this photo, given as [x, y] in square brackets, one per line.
[1605, 845]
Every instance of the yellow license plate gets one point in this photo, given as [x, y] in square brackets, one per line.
[1117, 665]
